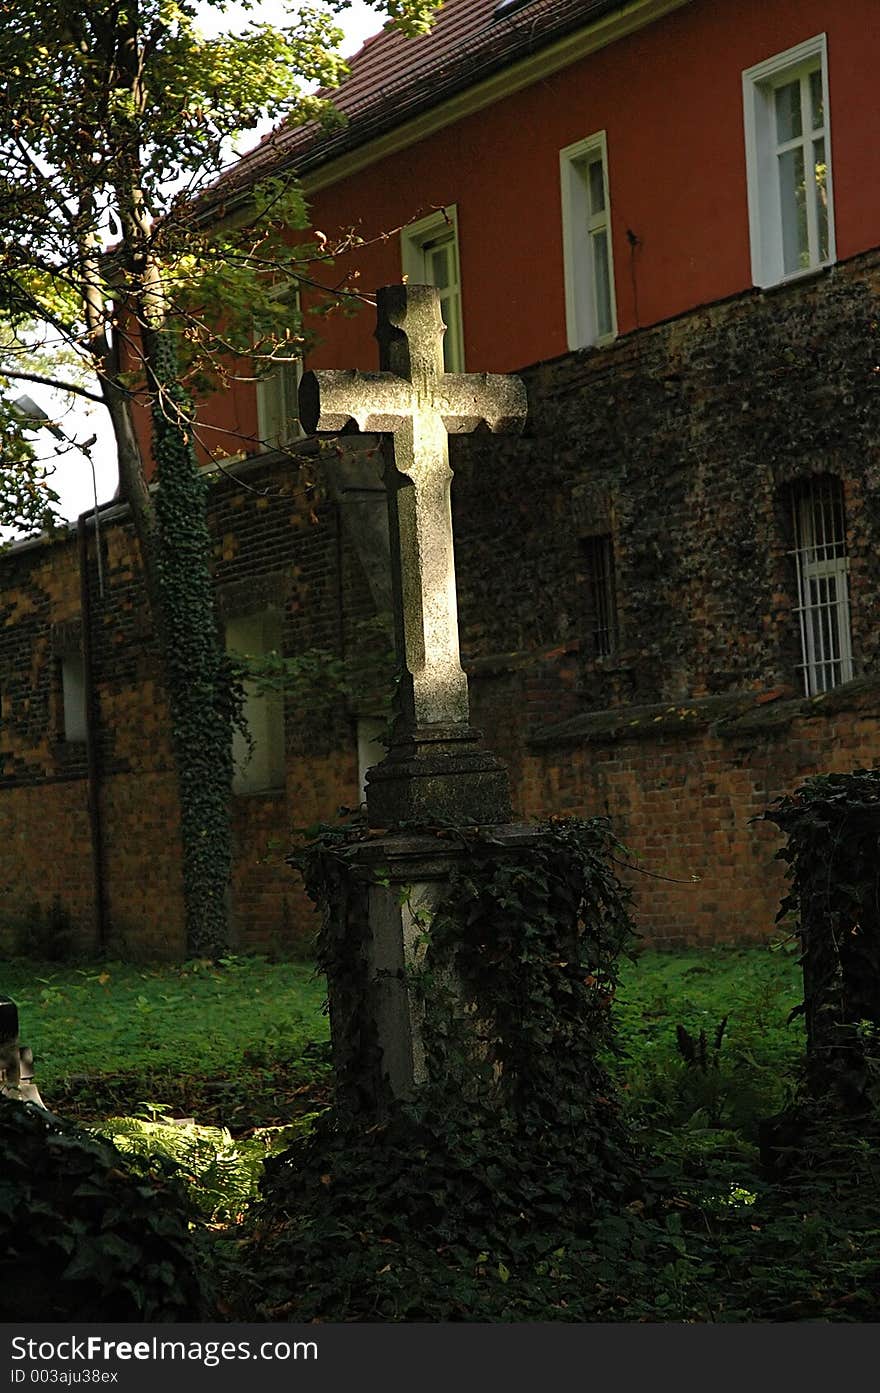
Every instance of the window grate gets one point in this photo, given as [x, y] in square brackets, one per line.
[822, 569]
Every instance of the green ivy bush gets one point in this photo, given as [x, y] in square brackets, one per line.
[204, 695]
[88, 1234]
[832, 827]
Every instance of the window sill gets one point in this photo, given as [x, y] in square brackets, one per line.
[595, 345]
[812, 273]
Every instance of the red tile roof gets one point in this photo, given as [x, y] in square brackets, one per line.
[394, 78]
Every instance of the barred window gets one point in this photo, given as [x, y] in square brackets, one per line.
[598, 555]
[822, 569]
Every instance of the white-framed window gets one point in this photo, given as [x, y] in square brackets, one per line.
[590, 307]
[788, 163]
[278, 392]
[822, 567]
[259, 761]
[429, 256]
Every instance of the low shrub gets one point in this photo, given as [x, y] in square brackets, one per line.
[221, 1174]
[87, 1233]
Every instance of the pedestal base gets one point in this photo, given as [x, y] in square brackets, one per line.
[440, 773]
[394, 885]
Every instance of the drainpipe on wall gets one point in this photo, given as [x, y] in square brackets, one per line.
[93, 758]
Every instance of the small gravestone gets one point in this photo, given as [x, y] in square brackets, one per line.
[16, 1061]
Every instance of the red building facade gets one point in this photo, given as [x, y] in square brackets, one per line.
[674, 97]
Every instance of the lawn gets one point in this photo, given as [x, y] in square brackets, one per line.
[250, 1035]
[241, 1043]
[752, 990]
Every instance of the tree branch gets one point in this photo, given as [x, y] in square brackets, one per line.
[51, 382]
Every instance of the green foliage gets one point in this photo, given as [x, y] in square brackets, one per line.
[113, 129]
[221, 1174]
[704, 1234]
[750, 1076]
[86, 1234]
[319, 674]
[453, 1206]
[26, 496]
[239, 1044]
[832, 825]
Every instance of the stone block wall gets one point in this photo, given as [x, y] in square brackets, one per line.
[680, 441]
[274, 546]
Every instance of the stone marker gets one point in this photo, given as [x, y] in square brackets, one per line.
[16, 1061]
[435, 767]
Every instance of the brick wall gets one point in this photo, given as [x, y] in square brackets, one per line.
[276, 543]
[681, 442]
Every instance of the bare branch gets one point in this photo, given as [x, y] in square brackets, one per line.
[51, 382]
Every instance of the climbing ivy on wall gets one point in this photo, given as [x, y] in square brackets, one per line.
[205, 697]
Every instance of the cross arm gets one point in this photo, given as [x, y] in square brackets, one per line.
[335, 400]
[469, 400]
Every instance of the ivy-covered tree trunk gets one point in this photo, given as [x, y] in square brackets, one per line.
[197, 673]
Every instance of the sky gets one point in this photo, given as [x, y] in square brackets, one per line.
[73, 477]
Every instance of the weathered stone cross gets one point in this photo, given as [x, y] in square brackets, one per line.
[418, 405]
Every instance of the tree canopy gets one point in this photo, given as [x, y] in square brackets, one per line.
[114, 116]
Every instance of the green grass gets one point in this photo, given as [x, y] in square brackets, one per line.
[117, 1037]
[755, 989]
[241, 1044]
[206, 1020]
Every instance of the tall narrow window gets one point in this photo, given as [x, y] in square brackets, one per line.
[259, 760]
[590, 311]
[278, 393]
[278, 405]
[429, 255]
[788, 160]
[822, 582]
[598, 558]
[73, 696]
[371, 748]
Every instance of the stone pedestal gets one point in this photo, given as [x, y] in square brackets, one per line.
[438, 773]
[393, 886]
